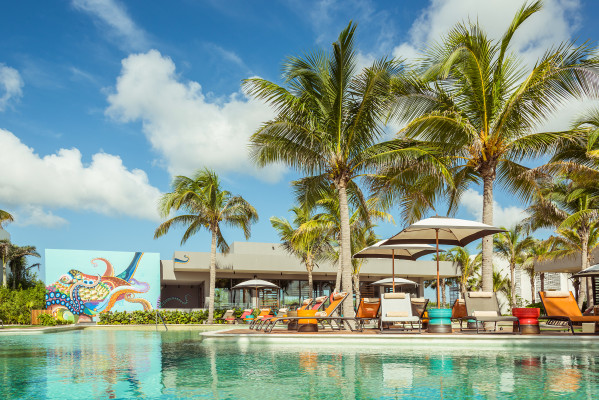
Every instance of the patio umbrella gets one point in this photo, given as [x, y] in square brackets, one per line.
[394, 281]
[442, 230]
[395, 252]
[593, 270]
[255, 284]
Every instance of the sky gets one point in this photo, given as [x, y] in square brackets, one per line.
[102, 102]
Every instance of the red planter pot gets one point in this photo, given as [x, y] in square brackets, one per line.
[528, 318]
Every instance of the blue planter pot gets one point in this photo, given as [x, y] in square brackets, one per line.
[439, 320]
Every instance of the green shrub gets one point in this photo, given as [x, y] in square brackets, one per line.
[49, 320]
[16, 305]
[169, 317]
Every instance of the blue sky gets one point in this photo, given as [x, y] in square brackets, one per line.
[103, 101]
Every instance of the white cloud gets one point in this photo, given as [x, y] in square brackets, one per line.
[556, 22]
[61, 180]
[187, 129]
[35, 215]
[472, 201]
[113, 16]
[11, 85]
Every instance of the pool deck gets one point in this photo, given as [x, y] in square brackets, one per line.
[501, 339]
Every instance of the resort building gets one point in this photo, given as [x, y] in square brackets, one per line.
[185, 277]
[4, 235]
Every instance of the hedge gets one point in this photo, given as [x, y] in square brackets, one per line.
[16, 305]
[169, 317]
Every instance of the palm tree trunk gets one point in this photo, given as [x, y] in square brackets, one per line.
[212, 275]
[463, 289]
[487, 256]
[4, 274]
[346, 267]
[532, 287]
[356, 279]
[512, 286]
[542, 279]
[584, 246]
[443, 298]
[309, 267]
[338, 279]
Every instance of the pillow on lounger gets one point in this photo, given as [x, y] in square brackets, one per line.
[320, 299]
[370, 301]
[395, 295]
[321, 314]
[480, 294]
[484, 314]
[418, 300]
[339, 296]
[557, 294]
[398, 314]
[306, 302]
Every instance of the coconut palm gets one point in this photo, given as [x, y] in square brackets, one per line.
[10, 252]
[208, 206]
[469, 268]
[568, 207]
[514, 247]
[18, 264]
[329, 120]
[5, 217]
[305, 238]
[501, 283]
[476, 101]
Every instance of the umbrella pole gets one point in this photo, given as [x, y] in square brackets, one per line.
[438, 281]
[393, 267]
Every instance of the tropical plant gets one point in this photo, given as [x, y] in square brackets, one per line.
[432, 283]
[10, 253]
[329, 120]
[472, 99]
[21, 274]
[362, 236]
[514, 246]
[502, 284]
[305, 238]
[207, 207]
[5, 217]
[469, 268]
[567, 206]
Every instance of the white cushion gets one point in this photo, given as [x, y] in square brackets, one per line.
[321, 314]
[418, 300]
[265, 310]
[321, 299]
[398, 314]
[306, 302]
[557, 294]
[339, 296]
[395, 295]
[480, 294]
[370, 301]
[484, 314]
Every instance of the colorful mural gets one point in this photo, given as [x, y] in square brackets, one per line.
[76, 290]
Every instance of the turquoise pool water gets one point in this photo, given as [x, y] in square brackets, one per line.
[98, 364]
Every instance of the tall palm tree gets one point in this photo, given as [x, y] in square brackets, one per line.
[208, 206]
[469, 268]
[18, 263]
[10, 252]
[513, 247]
[305, 238]
[540, 250]
[475, 100]
[568, 207]
[501, 283]
[329, 120]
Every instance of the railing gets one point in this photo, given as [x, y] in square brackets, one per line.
[160, 316]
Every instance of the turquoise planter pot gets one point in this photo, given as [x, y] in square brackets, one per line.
[439, 320]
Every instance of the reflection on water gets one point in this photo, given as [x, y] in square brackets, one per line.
[129, 364]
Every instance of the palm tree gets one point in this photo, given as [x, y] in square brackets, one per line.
[19, 271]
[432, 283]
[502, 284]
[362, 235]
[5, 217]
[305, 238]
[568, 207]
[475, 101]
[513, 247]
[9, 253]
[469, 268]
[207, 207]
[329, 120]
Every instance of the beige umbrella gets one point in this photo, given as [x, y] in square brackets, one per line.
[395, 252]
[442, 230]
[255, 284]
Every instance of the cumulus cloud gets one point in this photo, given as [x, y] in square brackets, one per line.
[113, 16]
[62, 180]
[182, 125]
[509, 216]
[555, 23]
[11, 85]
[37, 216]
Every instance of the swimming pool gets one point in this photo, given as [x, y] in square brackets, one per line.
[144, 364]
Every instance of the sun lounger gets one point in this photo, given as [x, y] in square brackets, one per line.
[561, 306]
[317, 305]
[321, 316]
[264, 313]
[280, 314]
[244, 317]
[397, 307]
[419, 305]
[228, 316]
[458, 310]
[368, 310]
[483, 307]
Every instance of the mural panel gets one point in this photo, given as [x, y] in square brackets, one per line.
[80, 284]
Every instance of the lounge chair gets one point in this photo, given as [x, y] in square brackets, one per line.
[245, 316]
[264, 312]
[228, 316]
[397, 307]
[368, 310]
[265, 320]
[321, 316]
[561, 306]
[419, 305]
[307, 304]
[484, 307]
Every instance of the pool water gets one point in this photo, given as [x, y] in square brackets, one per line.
[115, 364]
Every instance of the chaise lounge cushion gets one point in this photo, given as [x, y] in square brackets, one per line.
[480, 313]
[398, 314]
[480, 294]
[557, 294]
[339, 296]
[395, 295]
